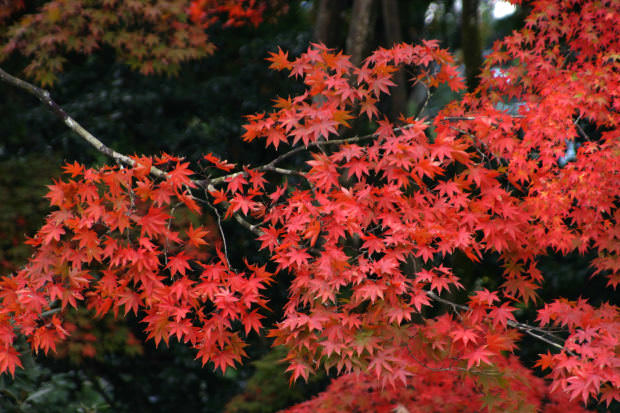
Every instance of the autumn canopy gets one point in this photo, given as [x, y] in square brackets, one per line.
[366, 227]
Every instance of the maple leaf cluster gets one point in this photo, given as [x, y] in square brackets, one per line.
[561, 74]
[152, 36]
[367, 225]
[112, 244]
[233, 12]
[500, 388]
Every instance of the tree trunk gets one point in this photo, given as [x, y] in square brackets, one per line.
[360, 30]
[328, 23]
[393, 35]
[472, 49]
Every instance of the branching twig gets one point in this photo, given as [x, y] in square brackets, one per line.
[250, 227]
[532, 331]
[477, 142]
[45, 98]
[271, 166]
[457, 118]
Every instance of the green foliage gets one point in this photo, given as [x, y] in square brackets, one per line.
[269, 388]
[22, 185]
[38, 389]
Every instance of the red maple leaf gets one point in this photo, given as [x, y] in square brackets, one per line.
[479, 355]
[178, 263]
[196, 235]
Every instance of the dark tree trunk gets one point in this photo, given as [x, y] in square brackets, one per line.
[361, 28]
[328, 23]
[472, 48]
[393, 35]
[391, 21]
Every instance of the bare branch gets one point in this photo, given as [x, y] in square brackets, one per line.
[427, 98]
[582, 132]
[282, 171]
[457, 118]
[45, 98]
[219, 226]
[250, 227]
[452, 304]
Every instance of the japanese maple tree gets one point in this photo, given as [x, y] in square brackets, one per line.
[366, 227]
[154, 36]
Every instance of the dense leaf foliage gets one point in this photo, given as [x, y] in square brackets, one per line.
[525, 166]
[507, 387]
[153, 36]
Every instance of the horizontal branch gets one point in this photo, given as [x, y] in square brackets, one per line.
[457, 118]
[45, 98]
[250, 227]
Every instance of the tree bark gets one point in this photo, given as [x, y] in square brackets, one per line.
[328, 23]
[360, 30]
[472, 48]
[393, 35]
[391, 21]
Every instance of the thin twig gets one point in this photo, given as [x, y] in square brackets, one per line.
[454, 305]
[250, 227]
[51, 311]
[169, 226]
[282, 171]
[457, 118]
[582, 132]
[219, 226]
[45, 98]
[271, 165]
[427, 98]
[500, 160]
[532, 331]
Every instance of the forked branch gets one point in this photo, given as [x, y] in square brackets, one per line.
[45, 97]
